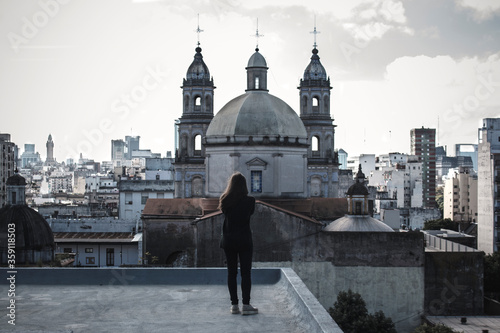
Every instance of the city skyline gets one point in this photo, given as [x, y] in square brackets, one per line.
[91, 72]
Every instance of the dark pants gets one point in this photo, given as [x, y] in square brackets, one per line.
[246, 274]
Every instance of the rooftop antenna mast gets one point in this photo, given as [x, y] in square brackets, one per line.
[315, 32]
[257, 35]
[198, 30]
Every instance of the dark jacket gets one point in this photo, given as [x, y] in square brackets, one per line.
[236, 232]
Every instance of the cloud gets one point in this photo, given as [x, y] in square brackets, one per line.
[483, 9]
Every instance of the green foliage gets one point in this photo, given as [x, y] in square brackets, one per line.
[439, 224]
[350, 313]
[491, 273]
[440, 199]
[440, 328]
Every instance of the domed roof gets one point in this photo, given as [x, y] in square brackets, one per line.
[359, 187]
[257, 60]
[256, 113]
[32, 231]
[356, 223]
[315, 70]
[16, 180]
[198, 70]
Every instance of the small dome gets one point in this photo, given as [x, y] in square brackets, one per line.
[359, 187]
[256, 113]
[198, 70]
[257, 60]
[358, 223]
[34, 238]
[315, 70]
[16, 180]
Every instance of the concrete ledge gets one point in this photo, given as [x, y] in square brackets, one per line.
[135, 276]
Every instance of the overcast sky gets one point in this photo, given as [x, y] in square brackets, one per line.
[89, 71]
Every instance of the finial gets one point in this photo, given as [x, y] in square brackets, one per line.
[315, 32]
[257, 36]
[198, 30]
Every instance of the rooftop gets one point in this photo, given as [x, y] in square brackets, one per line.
[474, 323]
[158, 300]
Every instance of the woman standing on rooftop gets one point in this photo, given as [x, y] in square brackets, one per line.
[236, 240]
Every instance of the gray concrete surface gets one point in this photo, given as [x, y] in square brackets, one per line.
[156, 300]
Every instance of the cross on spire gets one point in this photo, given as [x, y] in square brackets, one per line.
[257, 35]
[315, 32]
[198, 30]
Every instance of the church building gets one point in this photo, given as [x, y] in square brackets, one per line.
[282, 155]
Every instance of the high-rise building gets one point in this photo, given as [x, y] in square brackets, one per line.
[488, 196]
[132, 144]
[29, 156]
[50, 150]
[465, 149]
[117, 150]
[460, 197]
[7, 165]
[423, 145]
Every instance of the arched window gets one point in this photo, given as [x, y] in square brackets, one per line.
[208, 104]
[304, 103]
[186, 103]
[315, 187]
[197, 145]
[315, 104]
[196, 187]
[315, 145]
[197, 101]
[256, 82]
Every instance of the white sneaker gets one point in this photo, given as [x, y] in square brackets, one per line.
[249, 310]
[235, 309]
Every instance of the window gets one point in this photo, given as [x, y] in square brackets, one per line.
[315, 144]
[14, 199]
[358, 208]
[197, 101]
[89, 250]
[197, 144]
[90, 260]
[67, 250]
[256, 181]
[257, 82]
[144, 198]
[157, 177]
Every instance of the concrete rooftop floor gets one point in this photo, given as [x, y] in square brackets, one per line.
[157, 300]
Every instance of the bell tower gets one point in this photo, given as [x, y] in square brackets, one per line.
[314, 91]
[197, 113]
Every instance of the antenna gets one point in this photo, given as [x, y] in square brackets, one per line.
[257, 35]
[315, 32]
[198, 30]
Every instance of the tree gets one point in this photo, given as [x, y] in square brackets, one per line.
[491, 273]
[439, 224]
[439, 328]
[350, 313]
[440, 199]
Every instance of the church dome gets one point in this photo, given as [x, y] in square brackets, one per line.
[256, 113]
[16, 180]
[257, 60]
[315, 70]
[358, 223]
[198, 70]
[34, 238]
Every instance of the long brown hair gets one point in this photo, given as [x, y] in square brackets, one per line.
[235, 191]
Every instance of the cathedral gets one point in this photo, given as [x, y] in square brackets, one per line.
[282, 155]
